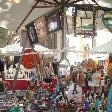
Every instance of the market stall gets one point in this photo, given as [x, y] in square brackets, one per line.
[54, 85]
[16, 50]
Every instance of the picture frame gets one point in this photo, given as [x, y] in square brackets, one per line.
[24, 39]
[53, 22]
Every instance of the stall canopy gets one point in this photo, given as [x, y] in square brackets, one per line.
[15, 50]
[104, 48]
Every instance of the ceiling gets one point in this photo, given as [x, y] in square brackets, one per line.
[11, 15]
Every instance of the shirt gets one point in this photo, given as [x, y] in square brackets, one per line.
[1, 66]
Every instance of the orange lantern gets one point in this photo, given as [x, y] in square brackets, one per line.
[30, 59]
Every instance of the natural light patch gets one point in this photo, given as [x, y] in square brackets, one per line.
[4, 23]
[5, 5]
[105, 3]
[110, 22]
[103, 36]
[69, 11]
[74, 56]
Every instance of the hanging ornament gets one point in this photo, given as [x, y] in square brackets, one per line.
[29, 59]
[107, 20]
[109, 70]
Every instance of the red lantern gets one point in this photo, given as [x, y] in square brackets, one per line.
[29, 59]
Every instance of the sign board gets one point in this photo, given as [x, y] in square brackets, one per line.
[24, 40]
[32, 34]
[3, 37]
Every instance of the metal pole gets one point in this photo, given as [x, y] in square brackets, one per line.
[94, 27]
[64, 28]
[35, 65]
[17, 70]
[74, 19]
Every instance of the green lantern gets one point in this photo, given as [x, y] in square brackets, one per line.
[107, 20]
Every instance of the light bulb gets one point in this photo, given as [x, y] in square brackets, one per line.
[15, 1]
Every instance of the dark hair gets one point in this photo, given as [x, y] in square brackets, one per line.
[74, 75]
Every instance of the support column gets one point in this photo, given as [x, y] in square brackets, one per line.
[54, 40]
[74, 19]
[94, 28]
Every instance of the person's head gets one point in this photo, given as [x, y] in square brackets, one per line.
[32, 83]
[102, 75]
[74, 75]
[71, 68]
[1, 82]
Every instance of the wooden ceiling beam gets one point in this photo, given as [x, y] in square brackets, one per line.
[62, 2]
[95, 2]
[47, 2]
[67, 1]
[75, 1]
[88, 7]
[27, 15]
[56, 1]
[44, 6]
